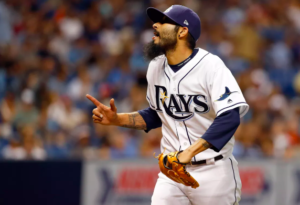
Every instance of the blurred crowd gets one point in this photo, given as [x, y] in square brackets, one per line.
[53, 52]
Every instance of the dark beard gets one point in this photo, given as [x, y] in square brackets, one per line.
[152, 50]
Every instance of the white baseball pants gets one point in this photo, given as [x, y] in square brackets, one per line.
[220, 184]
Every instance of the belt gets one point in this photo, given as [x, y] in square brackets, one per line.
[205, 160]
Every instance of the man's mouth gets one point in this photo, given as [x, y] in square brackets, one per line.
[156, 35]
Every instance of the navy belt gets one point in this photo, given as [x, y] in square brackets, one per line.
[204, 161]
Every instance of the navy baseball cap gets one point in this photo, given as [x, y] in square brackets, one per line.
[181, 15]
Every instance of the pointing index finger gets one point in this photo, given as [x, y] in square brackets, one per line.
[94, 100]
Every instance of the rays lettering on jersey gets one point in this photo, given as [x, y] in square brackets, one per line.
[177, 106]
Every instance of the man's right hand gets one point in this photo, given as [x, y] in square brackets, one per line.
[102, 114]
[108, 116]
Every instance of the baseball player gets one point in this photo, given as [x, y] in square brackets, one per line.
[194, 97]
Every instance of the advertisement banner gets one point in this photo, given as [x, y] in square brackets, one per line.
[132, 183]
[258, 182]
[119, 183]
[292, 188]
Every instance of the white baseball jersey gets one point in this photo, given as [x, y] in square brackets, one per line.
[189, 100]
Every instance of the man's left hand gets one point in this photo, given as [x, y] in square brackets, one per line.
[184, 157]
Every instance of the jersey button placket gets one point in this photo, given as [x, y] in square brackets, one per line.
[177, 124]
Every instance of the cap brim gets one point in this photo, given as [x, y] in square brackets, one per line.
[155, 15]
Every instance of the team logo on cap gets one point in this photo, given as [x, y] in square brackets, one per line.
[169, 9]
[186, 22]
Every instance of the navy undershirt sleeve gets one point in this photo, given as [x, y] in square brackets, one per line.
[222, 129]
[151, 118]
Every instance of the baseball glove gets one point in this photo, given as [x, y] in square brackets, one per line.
[171, 167]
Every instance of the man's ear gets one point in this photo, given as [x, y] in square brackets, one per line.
[183, 32]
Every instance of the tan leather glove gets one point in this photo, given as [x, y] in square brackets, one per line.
[171, 167]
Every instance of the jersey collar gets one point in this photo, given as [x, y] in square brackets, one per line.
[186, 68]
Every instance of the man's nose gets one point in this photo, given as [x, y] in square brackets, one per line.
[156, 25]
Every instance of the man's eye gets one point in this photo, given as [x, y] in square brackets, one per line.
[165, 20]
